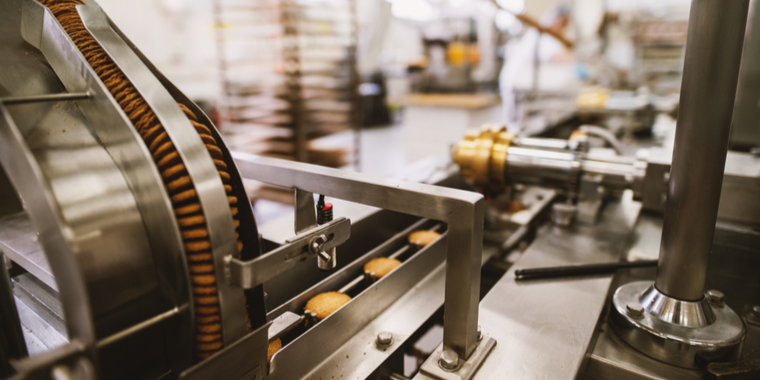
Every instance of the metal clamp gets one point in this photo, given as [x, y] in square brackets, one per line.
[248, 274]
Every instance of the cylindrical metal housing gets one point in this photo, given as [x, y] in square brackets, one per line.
[711, 69]
[557, 168]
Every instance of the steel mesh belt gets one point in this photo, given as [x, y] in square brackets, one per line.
[188, 212]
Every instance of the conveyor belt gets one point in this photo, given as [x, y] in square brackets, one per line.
[188, 211]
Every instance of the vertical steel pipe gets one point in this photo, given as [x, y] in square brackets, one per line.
[711, 70]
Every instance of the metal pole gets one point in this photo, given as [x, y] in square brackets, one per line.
[711, 70]
[12, 343]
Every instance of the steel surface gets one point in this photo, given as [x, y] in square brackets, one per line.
[678, 334]
[18, 240]
[125, 147]
[544, 327]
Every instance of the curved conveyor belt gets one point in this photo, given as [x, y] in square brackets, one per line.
[208, 334]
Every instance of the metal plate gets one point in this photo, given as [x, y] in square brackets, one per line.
[19, 241]
[544, 327]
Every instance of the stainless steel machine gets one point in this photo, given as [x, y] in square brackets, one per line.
[98, 283]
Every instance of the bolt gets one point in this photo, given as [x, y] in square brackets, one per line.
[756, 311]
[384, 339]
[316, 247]
[61, 372]
[716, 297]
[634, 310]
[480, 333]
[449, 360]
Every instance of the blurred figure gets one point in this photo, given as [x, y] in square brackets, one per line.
[523, 63]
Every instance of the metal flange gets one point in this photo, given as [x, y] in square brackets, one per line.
[682, 333]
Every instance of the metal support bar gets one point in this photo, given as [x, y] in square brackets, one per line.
[248, 274]
[45, 98]
[710, 74]
[22, 168]
[12, 344]
[138, 327]
[461, 210]
[306, 212]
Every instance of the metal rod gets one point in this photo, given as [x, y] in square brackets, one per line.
[351, 285]
[45, 98]
[137, 328]
[579, 270]
[10, 325]
[711, 70]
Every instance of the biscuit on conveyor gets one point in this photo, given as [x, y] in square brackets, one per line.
[423, 238]
[274, 346]
[381, 266]
[326, 303]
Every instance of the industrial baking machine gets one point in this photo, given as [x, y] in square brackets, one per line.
[130, 249]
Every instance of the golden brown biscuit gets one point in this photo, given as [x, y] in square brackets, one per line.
[213, 346]
[196, 233]
[381, 266]
[326, 303]
[423, 238]
[274, 346]
[209, 328]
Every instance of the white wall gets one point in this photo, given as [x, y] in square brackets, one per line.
[177, 36]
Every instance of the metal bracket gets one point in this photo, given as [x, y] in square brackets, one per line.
[466, 369]
[244, 359]
[283, 324]
[306, 212]
[248, 274]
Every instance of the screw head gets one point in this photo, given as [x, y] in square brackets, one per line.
[634, 310]
[449, 360]
[316, 243]
[384, 339]
[716, 297]
[756, 311]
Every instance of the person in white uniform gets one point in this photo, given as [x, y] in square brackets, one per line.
[533, 50]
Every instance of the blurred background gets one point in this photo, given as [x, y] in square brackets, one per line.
[381, 86]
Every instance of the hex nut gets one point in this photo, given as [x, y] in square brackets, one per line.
[449, 360]
[716, 297]
[384, 339]
[634, 310]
